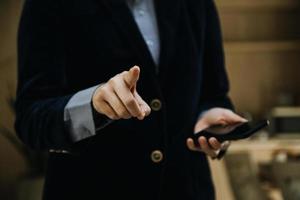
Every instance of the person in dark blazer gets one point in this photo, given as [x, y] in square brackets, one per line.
[115, 89]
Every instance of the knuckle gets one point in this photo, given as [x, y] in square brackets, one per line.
[103, 89]
[113, 81]
[96, 97]
[123, 113]
[100, 95]
[130, 102]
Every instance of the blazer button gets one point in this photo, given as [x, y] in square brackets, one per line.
[157, 156]
[155, 104]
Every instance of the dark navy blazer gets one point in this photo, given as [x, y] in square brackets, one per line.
[65, 46]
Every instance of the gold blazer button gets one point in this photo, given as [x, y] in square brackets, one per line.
[157, 156]
[155, 104]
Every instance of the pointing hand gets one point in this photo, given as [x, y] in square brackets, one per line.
[119, 99]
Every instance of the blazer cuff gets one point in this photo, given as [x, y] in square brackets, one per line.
[80, 117]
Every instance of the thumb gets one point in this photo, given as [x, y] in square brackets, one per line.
[201, 125]
[232, 117]
[132, 76]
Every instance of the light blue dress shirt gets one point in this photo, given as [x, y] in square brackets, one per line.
[145, 17]
[78, 112]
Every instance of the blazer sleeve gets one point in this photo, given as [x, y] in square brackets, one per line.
[41, 93]
[215, 84]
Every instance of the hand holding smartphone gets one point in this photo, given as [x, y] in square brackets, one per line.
[232, 132]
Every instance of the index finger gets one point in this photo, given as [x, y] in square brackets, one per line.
[132, 76]
[128, 100]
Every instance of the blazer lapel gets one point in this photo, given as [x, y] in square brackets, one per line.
[124, 20]
[167, 12]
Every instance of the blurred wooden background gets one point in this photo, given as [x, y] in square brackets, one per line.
[12, 165]
[262, 45]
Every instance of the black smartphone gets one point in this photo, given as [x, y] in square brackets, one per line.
[232, 132]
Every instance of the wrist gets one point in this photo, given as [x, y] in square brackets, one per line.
[95, 98]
